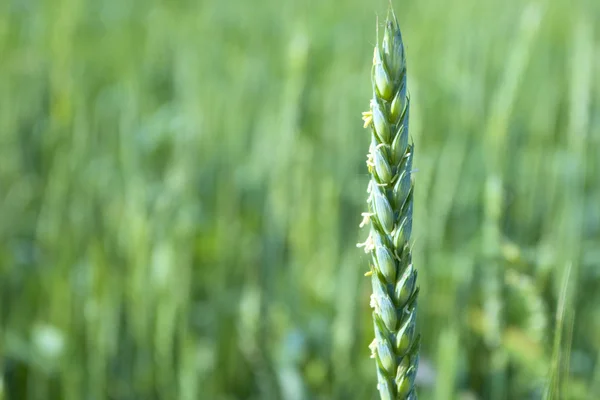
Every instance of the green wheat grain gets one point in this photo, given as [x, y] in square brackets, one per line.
[390, 201]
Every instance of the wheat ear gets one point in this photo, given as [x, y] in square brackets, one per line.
[390, 201]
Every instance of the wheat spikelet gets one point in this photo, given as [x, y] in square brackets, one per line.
[390, 201]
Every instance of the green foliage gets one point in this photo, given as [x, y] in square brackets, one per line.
[181, 184]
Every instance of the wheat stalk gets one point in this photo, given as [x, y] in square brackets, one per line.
[390, 201]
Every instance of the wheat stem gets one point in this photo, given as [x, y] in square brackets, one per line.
[390, 202]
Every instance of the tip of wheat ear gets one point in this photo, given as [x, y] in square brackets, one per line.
[389, 220]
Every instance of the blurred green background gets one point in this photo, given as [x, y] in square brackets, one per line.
[181, 185]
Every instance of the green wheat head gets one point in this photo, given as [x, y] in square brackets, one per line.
[390, 201]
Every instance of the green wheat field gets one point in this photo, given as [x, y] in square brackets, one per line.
[182, 182]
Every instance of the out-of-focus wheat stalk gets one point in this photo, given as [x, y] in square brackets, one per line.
[395, 348]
